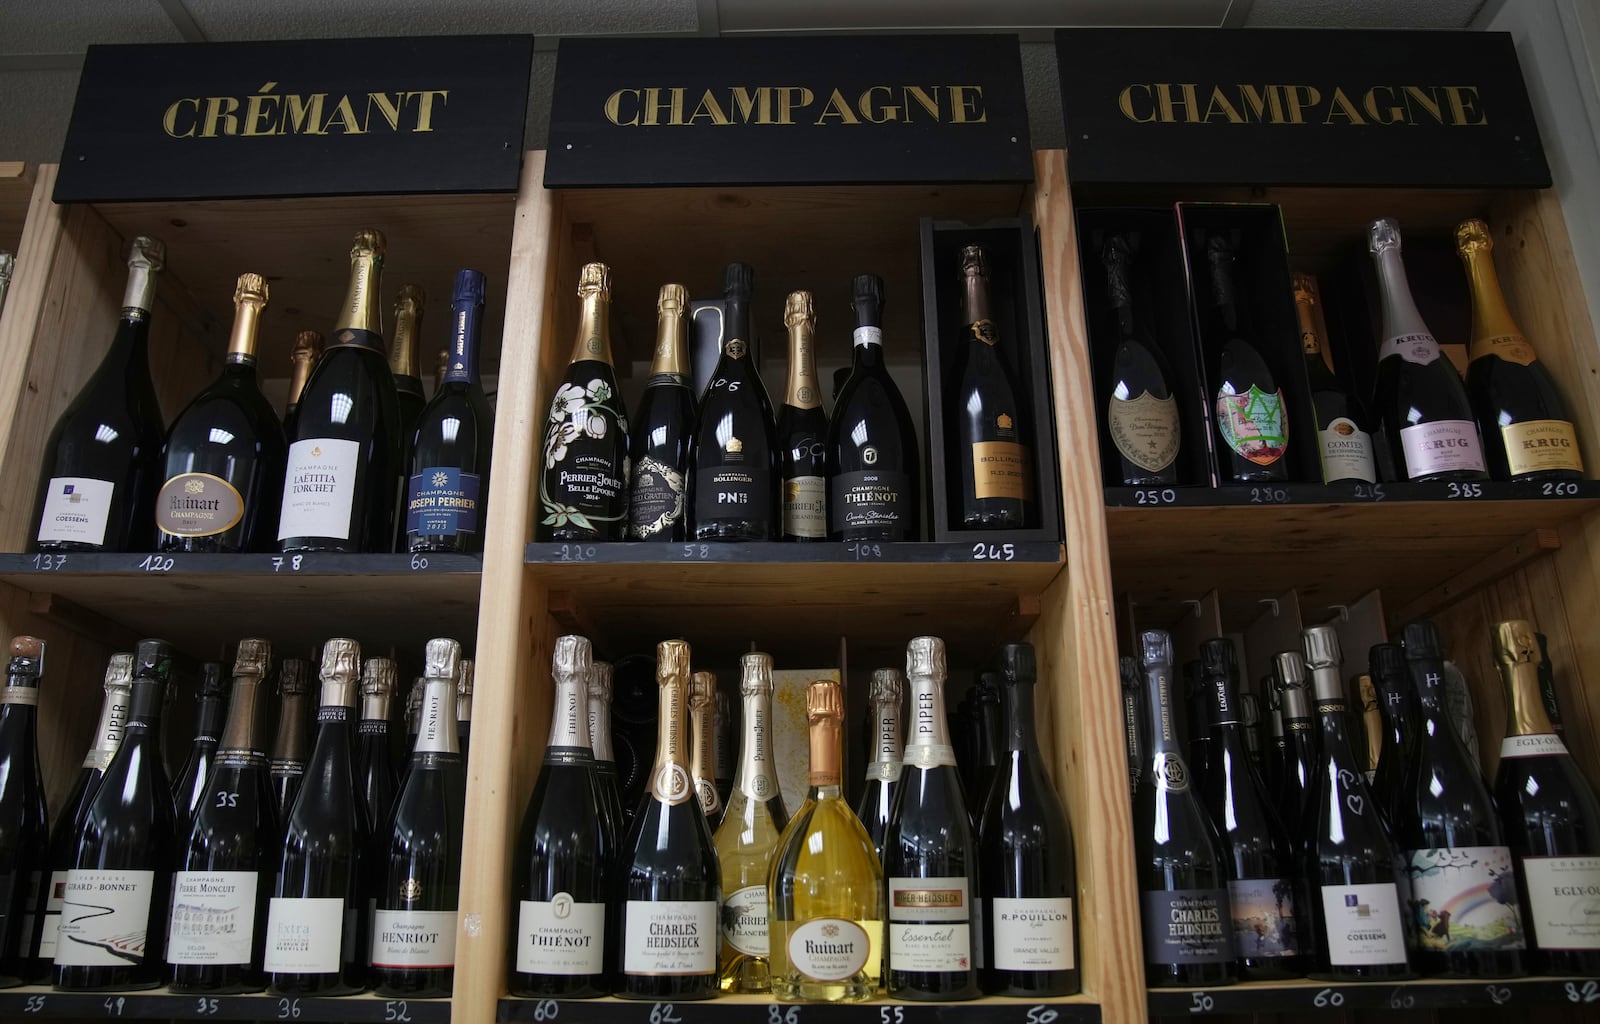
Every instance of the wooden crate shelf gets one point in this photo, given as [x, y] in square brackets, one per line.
[761, 1010]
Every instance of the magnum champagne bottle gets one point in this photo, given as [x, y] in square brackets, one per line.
[885, 701]
[376, 780]
[659, 446]
[346, 451]
[224, 456]
[583, 487]
[24, 826]
[598, 698]
[1300, 755]
[1343, 441]
[1141, 412]
[702, 744]
[190, 785]
[292, 742]
[409, 305]
[1389, 677]
[994, 464]
[1550, 815]
[803, 429]
[102, 462]
[307, 350]
[1252, 421]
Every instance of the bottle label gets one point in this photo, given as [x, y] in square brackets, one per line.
[1513, 348]
[1001, 469]
[1442, 446]
[413, 938]
[27, 696]
[1564, 898]
[830, 948]
[105, 918]
[930, 924]
[76, 509]
[1263, 917]
[583, 467]
[319, 488]
[1254, 425]
[665, 937]
[1536, 445]
[561, 936]
[55, 903]
[1032, 934]
[304, 936]
[442, 501]
[1541, 745]
[198, 505]
[1463, 898]
[744, 920]
[213, 917]
[731, 492]
[1346, 452]
[1145, 430]
[1421, 348]
[805, 507]
[868, 499]
[868, 336]
[656, 503]
[1186, 926]
[1363, 923]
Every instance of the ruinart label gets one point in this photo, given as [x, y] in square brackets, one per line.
[829, 949]
[665, 937]
[105, 918]
[1564, 898]
[198, 505]
[76, 510]
[561, 936]
[319, 488]
[213, 917]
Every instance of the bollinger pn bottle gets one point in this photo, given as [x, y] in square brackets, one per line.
[994, 464]
[190, 784]
[308, 347]
[598, 698]
[702, 744]
[24, 825]
[291, 744]
[659, 443]
[803, 429]
[885, 719]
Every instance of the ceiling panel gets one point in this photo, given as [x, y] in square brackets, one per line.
[824, 15]
[67, 26]
[223, 20]
[1362, 13]
[34, 109]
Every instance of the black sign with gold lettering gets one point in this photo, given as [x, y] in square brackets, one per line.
[1297, 107]
[775, 111]
[315, 117]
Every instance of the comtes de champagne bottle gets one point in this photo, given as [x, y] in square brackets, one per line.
[1343, 442]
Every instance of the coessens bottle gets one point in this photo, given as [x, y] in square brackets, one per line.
[885, 719]
[24, 825]
[995, 466]
[1141, 410]
[659, 443]
[803, 429]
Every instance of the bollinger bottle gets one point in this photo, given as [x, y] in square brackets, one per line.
[377, 783]
[874, 473]
[803, 429]
[562, 876]
[1183, 874]
[734, 458]
[1420, 403]
[346, 451]
[747, 838]
[114, 922]
[659, 443]
[414, 919]
[1300, 754]
[291, 744]
[929, 853]
[315, 920]
[102, 461]
[1393, 683]
[1141, 410]
[702, 744]
[1354, 885]
[308, 347]
[1133, 716]
[1025, 851]
[1550, 816]
[990, 449]
[217, 931]
[825, 890]
[598, 699]
[1256, 844]
[190, 785]
[447, 492]
[224, 456]
[409, 305]
[668, 894]
[24, 824]
[1344, 443]
[885, 721]
[1252, 420]
[1464, 920]
[583, 486]
[1527, 434]
[464, 681]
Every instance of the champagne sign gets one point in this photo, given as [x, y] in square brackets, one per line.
[1298, 107]
[771, 111]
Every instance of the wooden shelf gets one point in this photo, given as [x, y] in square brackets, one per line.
[759, 1010]
[1301, 996]
[160, 1004]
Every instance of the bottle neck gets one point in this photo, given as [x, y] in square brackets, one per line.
[702, 740]
[375, 708]
[403, 345]
[756, 775]
[361, 321]
[1331, 720]
[975, 309]
[867, 339]
[600, 729]
[1163, 712]
[928, 746]
[1494, 332]
[1526, 714]
[888, 747]
[594, 330]
[21, 691]
[108, 734]
[461, 364]
[138, 299]
[1020, 734]
[802, 390]
[736, 326]
[670, 362]
[1311, 347]
[300, 373]
[144, 712]
[208, 719]
[290, 742]
[1222, 296]
[569, 719]
[239, 734]
[1427, 676]
[464, 709]
[436, 730]
[824, 774]
[670, 781]
[242, 342]
[1400, 314]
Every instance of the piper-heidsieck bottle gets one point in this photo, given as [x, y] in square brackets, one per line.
[1252, 421]
[1141, 411]
[1387, 663]
[562, 877]
[803, 429]
[885, 719]
[1550, 815]
[219, 901]
[291, 744]
[307, 350]
[376, 780]
[114, 923]
[1182, 875]
[24, 826]
[1343, 442]
[409, 305]
[702, 744]
[190, 785]
[664, 429]
[1354, 885]
[1300, 755]
[995, 464]
[598, 699]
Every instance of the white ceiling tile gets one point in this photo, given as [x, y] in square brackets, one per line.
[35, 107]
[1362, 13]
[67, 26]
[223, 20]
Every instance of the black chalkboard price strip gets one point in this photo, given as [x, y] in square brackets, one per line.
[39, 1001]
[1350, 493]
[761, 1010]
[1298, 996]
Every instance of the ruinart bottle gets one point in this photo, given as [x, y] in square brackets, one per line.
[24, 826]
[825, 890]
[702, 744]
[1344, 443]
[664, 428]
[994, 463]
[886, 723]
[409, 305]
[308, 346]
[803, 429]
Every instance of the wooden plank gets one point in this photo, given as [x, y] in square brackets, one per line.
[1481, 572]
[16, 194]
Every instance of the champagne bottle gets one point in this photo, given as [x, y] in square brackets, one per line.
[409, 305]
[996, 466]
[1300, 754]
[825, 893]
[1550, 816]
[464, 679]
[748, 836]
[292, 742]
[217, 932]
[1252, 420]
[1343, 440]
[1371, 724]
[702, 743]
[873, 469]
[1142, 412]
[1029, 869]
[24, 824]
[722, 723]
[224, 456]
[659, 446]
[439, 367]
[1196, 721]
[376, 781]
[1452, 846]
[885, 720]
[1425, 415]
[314, 921]
[1182, 874]
[803, 429]
[1132, 722]
[1275, 760]
[102, 461]
[8, 264]
[930, 856]
[1547, 685]
[665, 912]
[114, 923]
[308, 347]
[448, 491]
[190, 786]
[565, 852]
[991, 741]
[583, 488]
[1389, 677]
[1351, 869]
[414, 920]
[598, 699]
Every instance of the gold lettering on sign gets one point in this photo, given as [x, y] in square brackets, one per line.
[674, 106]
[1260, 103]
[265, 112]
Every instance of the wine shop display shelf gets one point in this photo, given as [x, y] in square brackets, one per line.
[160, 1004]
[764, 1010]
[1311, 995]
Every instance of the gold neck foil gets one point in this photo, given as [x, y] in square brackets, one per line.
[307, 350]
[1494, 332]
[249, 299]
[361, 311]
[594, 319]
[670, 781]
[1516, 654]
[824, 717]
[409, 305]
[802, 390]
[671, 356]
[146, 257]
